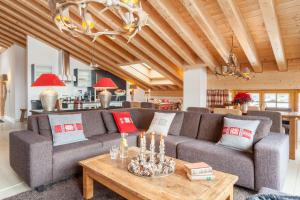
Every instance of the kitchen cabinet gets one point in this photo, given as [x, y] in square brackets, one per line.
[83, 78]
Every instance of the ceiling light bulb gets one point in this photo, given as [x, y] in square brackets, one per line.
[64, 15]
[129, 28]
[88, 24]
[131, 2]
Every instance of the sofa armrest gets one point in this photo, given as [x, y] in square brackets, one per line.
[31, 157]
[271, 156]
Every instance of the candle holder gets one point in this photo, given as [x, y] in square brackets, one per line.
[152, 164]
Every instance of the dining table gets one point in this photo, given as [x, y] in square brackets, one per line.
[293, 118]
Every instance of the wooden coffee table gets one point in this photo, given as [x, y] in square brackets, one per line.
[114, 175]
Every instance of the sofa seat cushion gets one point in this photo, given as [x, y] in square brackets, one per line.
[66, 157]
[113, 139]
[171, 143]
[220, 158]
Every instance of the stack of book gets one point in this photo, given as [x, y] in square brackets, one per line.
[199, 171]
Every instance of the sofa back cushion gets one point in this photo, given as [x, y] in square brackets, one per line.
[263, 128]
[109, 122]
[211, 126]
[274, 116]
[190, 124]
[142, 119]
[91, 120]
[93, 123]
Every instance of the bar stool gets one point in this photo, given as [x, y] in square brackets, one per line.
[23, 114]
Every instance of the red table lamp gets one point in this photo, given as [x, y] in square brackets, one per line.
[105, 96]
[48, 96]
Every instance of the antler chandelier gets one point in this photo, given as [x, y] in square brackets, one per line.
[233, 68]
[129, 11]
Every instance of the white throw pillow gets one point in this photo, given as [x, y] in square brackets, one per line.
[238, 134]
[161, 123]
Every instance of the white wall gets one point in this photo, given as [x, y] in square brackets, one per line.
[39, 53]
[13, 63]
[194, 87]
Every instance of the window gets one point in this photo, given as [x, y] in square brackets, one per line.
[277, 100]
[255, 98]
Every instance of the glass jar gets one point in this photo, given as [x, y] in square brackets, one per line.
[123, 146]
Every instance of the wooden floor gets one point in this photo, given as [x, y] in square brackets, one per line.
[11, 184]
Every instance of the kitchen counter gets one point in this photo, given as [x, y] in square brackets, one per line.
[37, 112]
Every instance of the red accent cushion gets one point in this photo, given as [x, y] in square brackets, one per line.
[124, 122]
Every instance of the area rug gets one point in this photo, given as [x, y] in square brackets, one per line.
[71, 190]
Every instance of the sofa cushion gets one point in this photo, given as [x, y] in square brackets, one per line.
[93, 123]
[109, 122]
[66, 157]
[176, 124]
[220, 158]
[171, 143]
[190, 124]
[113, 139]
[211, 126]
[44, 126]
[161, 123]
[238, 134]
[124, 122]
[66, 129]
[263, 128]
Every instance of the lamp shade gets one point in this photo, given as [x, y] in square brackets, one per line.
[105, 83]
[47, 80]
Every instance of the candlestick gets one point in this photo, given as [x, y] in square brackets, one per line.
[162, 149]
[142, 147]
[152, 147]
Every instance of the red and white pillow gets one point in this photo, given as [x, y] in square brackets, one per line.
[66, 129]
[124, 122]
[238, 134]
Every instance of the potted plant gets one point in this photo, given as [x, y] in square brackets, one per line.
[242, 99]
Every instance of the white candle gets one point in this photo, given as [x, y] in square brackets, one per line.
[162, 149]
[152, 147]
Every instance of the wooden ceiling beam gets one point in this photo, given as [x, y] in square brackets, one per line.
[115, 48]
[7, 40]
[171, 15]
[9, 35]
[166, 33]
[9, 17]
[5, 44]
[240, 29]
[208, 26]
[148, 35]
[271, 23]
[140, 48]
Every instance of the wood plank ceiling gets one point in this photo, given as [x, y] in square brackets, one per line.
[180, 34]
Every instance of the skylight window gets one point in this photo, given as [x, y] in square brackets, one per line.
[145, 73]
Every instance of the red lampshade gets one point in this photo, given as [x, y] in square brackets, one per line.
[47, 80]
[105, 83]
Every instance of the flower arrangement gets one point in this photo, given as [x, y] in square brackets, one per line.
[242, 98]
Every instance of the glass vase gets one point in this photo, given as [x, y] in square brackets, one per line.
[123, 146]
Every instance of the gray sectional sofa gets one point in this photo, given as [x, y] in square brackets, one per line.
[192, 137]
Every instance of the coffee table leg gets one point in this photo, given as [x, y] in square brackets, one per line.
[88, 186]
[230, 194]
